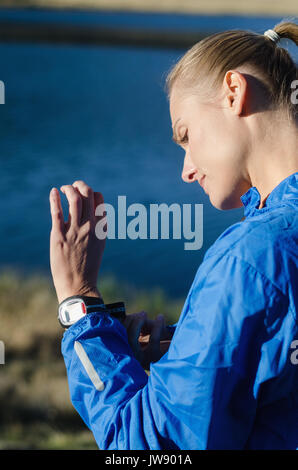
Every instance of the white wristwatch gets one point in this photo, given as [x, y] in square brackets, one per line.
[74, 308]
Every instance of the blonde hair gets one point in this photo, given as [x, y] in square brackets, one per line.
[213, 56]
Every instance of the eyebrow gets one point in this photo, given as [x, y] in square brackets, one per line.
[174, 137]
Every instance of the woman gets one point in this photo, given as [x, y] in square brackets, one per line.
[229, 379]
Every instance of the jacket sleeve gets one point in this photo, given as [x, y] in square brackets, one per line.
[203, 392]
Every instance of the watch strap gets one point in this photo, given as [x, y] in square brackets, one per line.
[89, 300]
[116, 309]
[96, 304]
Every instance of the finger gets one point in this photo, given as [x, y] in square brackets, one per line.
[100, 214]
[98, 200]
[58, 224]
[134, 330]
[144, 339]
[169, 333]
[127, 321]
[147, 327]
[154, 350]
[157, 331]
[87, 200]
[75, 204]
[133, 316]
[149, 324]
[164, 346]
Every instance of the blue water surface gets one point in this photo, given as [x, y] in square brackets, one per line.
[97, 113]
[140, 20]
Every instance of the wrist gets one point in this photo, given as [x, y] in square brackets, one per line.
[88, 292]
[73, 308]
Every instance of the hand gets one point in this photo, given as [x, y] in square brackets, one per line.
[75, 251]
[148, 339]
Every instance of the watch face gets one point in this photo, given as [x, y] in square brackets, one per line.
[71, 311]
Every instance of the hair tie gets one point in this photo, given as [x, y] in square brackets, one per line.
[273, 35]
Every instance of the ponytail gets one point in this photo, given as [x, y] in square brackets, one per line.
[205, 64]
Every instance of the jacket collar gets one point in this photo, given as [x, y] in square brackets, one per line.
[286, 190]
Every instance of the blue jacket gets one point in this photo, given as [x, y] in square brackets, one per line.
[230, 377]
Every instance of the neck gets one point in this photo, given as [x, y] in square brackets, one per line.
[275, 154]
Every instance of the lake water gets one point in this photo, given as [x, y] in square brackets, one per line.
[98, 113]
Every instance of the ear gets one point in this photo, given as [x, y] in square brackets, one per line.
[235, 91]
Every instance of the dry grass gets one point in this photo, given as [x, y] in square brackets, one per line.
[36, 412]
[264, 7]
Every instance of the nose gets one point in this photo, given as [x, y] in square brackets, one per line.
[189, 171]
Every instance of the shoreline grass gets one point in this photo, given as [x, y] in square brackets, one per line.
[36, 412]
[254, 7]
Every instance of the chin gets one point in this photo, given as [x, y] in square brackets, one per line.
[225, 204]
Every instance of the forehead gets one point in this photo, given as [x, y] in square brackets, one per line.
[175, 101]
[176, 104]
[180, 105]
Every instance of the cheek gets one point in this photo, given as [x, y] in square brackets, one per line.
[215, 152]
[198, 150]
[218, 140]
[225, 162]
